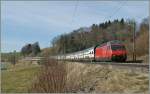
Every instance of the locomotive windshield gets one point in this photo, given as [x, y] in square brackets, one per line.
[117, 47]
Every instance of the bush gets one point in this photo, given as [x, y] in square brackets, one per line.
[142, 44]
[52, 78]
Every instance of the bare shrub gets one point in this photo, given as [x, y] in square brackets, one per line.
[59, 77]
[142, 44]
[52, 78]
[56, 77]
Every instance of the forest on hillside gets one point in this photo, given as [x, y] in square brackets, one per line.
[96, 34]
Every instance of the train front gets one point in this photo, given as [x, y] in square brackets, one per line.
[118, 52]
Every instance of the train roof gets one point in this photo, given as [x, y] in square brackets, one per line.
[78, 51]
[111, 42]
[115, 42]
[81, 50]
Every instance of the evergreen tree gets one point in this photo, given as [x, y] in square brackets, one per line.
[35, 48]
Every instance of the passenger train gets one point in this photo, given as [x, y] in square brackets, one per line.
[109, 51]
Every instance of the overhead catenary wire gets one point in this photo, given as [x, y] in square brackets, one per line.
[70, 22]
[109, 17]
[74, 12]
[134, 46]
[76, 6]
[116, 11]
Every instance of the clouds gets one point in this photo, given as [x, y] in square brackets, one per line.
[36, 15]
[43, 20]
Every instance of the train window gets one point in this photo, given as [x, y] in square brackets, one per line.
[117, 47]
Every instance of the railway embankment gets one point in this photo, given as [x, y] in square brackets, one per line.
[75, 77]
[143, 58]
[94, 78]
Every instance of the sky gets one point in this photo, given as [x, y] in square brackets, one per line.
[25, 22]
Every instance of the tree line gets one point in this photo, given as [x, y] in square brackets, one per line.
[31, 49]
[27, 50]
[86, 37]
[97, 34]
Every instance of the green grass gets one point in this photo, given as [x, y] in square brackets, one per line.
[18, 79]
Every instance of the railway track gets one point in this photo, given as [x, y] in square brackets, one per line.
[132, 66]
[128, 63]
[123, 64]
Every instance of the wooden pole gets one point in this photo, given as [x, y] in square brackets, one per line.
[134, 48]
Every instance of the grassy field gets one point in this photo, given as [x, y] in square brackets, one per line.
[18, 78]
[72, 77]
[91, 78]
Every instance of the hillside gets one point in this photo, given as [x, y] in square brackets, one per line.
[86, 37]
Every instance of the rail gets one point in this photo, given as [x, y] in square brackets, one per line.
[134, 66]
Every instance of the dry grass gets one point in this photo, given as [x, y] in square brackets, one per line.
[18, 78]
[88, 78]
[97, 79]
[64, 77]
[52, 78]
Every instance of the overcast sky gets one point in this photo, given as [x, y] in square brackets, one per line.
[30, 21]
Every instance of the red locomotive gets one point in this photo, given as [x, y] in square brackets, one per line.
[110, 51]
